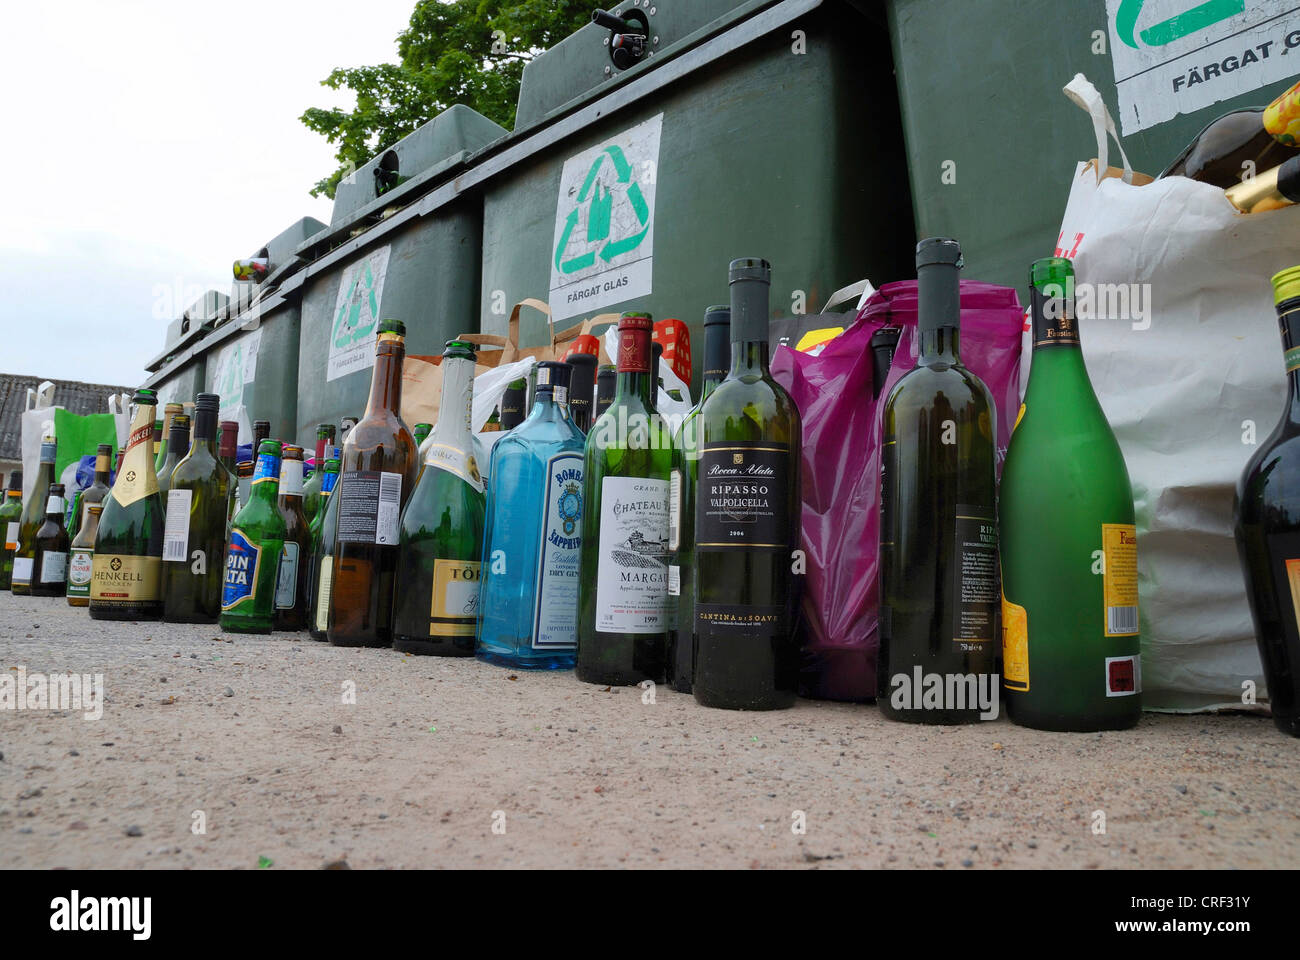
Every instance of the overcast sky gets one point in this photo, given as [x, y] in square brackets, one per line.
[147, 145]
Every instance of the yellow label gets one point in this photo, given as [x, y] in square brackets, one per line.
[118, 579]
[137, 480]
[1015, 646]
[1119, 543]
[323, 589]
[454, 605]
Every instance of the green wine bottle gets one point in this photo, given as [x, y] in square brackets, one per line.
[681, 504]
[195, 538]
[747, 519]
[166, 447]
[253, 554]
[32, 517]
[175, 447]
[1070, 658]
[320, 573]
[291, 582]
[126, 577]
[11, 513]
[623, 596]
[311, 498]
[939, 598]
[441, 538]
[50, 564]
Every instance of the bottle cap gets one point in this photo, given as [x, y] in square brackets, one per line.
[938, 250]
[1055, 270]
[749, 268]
[395, 327]
[718, 316]
[16, 480]
[460, 349]
[104, 450]
[146, 397]
[271, 447]
[552, 374]
[207, 401]
[325, 430]
[1286, 285]
[636, 320]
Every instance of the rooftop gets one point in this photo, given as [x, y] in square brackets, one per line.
[72, 395]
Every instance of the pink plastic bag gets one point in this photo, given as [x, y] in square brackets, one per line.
[841, 466]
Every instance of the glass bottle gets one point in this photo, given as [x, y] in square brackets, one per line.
[50, 564]
[11, 513]
[81, 556]
[291, 584]
[32, 518]
[252, 559]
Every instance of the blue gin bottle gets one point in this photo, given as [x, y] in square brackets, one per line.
[532, 546]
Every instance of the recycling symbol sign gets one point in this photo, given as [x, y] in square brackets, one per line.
[603, 248]
[356, 315]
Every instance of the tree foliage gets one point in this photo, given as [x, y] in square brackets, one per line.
[453, 51]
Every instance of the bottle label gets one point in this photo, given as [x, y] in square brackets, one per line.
[1123, 676]
[243, 558]
[1015, 646]
[675, 510]
[22, 572]
[454, 460]
[327, 483]
[55, 504]
[975, 578]
[136, 478]
[291, 478]
[1119, 541]
[286, 577]
[323, 586]
[735, 621]
[268, 469]
[742, 497]
[122, 579]
[634, 350]
[369, 507]
[1053, 316]
[11, 535]
[632, 577]
[559, 556]
[54, 567]
[80, 566]
[674, 580]
[454, 607]
[176, 534]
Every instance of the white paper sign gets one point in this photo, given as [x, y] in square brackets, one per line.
[1177, 56]
[356, 315]
[236, 365]
[603, 249]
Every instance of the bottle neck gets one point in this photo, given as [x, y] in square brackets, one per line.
[456, 412]
[266, 479]
[636, 376]
[1288, 318]
[386, 383]
[938, 308]
[748, 358]
[938, 347]
[54, 507]
[291, 471]
[717, 351]
[101, 469]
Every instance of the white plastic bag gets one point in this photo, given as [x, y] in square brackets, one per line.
[1182, 346]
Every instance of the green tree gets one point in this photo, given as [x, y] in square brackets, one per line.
[453, 51]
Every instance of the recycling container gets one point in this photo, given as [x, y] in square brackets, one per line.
[384, 256]
[992, 142]
[178, 372]
[744, 129]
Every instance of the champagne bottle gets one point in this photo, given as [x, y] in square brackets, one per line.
[681, 504]
[175, 447]
[50, 562]
[32, 518]
[96, 492]
[198, 507]
[623, 597]
[170, 412]
[1240, 144]
[252, 560]
[126, 580]
[311, 498]
[441, 539]
[939, 597]
[528, 600]
[11, 513]
[81, 556]
[291, 582]
[379, 470]
[1070, 658]
[747, 519]
[320, 576]
[1267, 527]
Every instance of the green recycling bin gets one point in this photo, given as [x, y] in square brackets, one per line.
[992, 142]
[383, 256]
[178, 372]
[743, 129]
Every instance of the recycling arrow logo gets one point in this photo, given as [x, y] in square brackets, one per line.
[1190, 21]
[601, 242]
[361, 294]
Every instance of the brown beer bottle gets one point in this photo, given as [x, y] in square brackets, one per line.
[379, 468]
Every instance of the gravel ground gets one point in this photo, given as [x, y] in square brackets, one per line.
[459, 764]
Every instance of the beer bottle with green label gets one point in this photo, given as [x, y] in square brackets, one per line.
[436, 600]
[253, 553]
[195, 539]
[81, 556]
